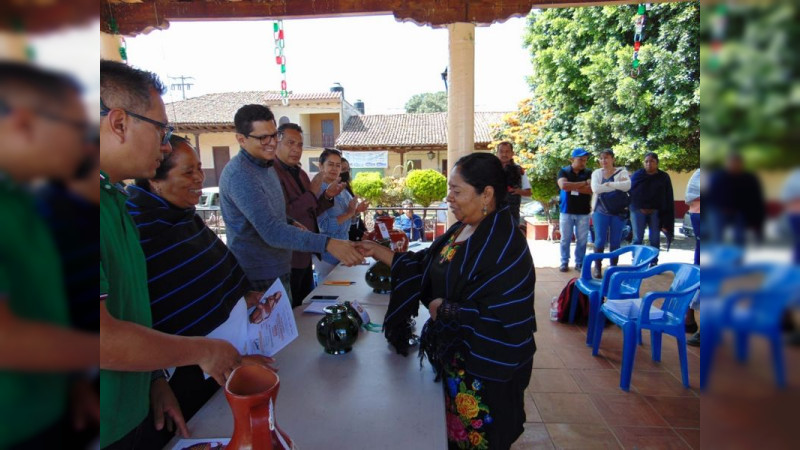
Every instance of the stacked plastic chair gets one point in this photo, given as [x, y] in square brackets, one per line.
[597, 289]
[746, 312]
[684, 287]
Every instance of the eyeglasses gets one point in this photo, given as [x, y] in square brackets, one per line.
[265, 138]
[79, 125]
[166, 129]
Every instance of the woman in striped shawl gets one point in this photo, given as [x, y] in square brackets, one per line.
[196, 286]
[477, 281]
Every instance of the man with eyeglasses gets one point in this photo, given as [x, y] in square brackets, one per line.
[43, 129]
[134, 136]
[254, 208]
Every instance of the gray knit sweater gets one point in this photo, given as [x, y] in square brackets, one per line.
[254, 210]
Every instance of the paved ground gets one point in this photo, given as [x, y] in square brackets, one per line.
[574, 399]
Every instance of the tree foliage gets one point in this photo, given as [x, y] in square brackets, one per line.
[426, 186]
[750, 89]
[427, 102]
[394, 191]
[368, 185]
[584, 94]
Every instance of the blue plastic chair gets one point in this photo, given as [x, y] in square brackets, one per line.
[596, 289]
[748, 312]
[684, 287]
[712, 320]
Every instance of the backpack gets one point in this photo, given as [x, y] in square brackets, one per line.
[616, 202]
[565, 303]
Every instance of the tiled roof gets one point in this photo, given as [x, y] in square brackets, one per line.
[219, 108]
[428, 130]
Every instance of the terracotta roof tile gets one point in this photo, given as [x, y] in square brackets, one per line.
[219, 108]
[408, 130]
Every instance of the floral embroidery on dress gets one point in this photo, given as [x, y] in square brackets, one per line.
[450, 248]
[466, 414]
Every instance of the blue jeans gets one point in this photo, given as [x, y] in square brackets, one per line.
[640, 221]
[603, 224]
[580, 224]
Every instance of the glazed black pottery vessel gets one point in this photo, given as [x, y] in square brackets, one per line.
[379, 278]
[337, 331]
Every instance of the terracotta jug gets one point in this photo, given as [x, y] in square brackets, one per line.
[398, 238]
[251, 391]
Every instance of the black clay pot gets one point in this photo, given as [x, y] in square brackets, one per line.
[337, 331]
[379, 278]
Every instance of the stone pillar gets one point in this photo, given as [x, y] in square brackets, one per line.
[13, 47]
[460, 95]
[109, 47]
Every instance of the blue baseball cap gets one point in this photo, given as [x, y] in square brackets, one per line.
[578, 152]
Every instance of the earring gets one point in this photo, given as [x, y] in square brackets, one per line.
[484, 211]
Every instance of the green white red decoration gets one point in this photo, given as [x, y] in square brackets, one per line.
[638, 37]
[280, 58]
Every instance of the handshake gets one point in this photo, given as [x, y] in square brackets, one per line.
[352, 253]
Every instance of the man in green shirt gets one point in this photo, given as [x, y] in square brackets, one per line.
[134, 136]
[42, 131]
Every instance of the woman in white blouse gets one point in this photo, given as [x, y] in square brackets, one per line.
[608, 222]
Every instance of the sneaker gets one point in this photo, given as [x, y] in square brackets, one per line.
[597, 272]
[694, 341]
[691, 328]
[563, 268]
[653, 263]
[578, 267]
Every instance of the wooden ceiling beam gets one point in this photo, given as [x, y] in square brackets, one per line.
[147, 15]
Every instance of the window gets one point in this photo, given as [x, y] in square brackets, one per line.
[313, 165]
[417, 163]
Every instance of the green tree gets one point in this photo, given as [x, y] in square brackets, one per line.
[394, 191]
[426, 186]
[368, 185]
[582, 78]
[427, 102]
[750, 89]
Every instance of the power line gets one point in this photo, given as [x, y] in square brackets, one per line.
[183, 85]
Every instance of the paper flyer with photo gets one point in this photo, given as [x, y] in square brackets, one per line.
[275, 327]
[201, 444]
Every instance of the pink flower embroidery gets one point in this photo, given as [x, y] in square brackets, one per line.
[455, 429]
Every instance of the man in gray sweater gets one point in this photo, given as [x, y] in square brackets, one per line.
[258, 230]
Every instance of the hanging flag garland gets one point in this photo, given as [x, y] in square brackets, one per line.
[280, 58]
[638, 37]
[719, 24]
[19, 28]
[123, 47]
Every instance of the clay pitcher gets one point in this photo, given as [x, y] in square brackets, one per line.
[251, 391]
[398, 238]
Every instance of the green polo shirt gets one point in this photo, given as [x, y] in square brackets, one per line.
[124, 396]
[31, 283]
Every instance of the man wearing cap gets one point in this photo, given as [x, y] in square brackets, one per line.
[574, 181]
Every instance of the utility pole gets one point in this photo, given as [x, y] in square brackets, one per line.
[183, 85]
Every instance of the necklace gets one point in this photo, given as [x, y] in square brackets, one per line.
[449, 250]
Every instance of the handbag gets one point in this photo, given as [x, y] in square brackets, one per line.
[615, 202]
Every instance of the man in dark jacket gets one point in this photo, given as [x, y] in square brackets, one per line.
[735, 200]
[303, 202]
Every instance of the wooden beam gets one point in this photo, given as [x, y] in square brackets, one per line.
[147, 15]
[39, 17]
